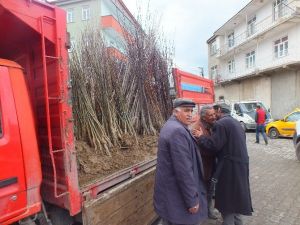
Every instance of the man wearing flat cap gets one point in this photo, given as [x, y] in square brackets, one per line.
[228, 140]
[179, 190]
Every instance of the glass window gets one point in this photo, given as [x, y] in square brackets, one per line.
[280, 9]
[251, 26]
[86, 13]
[293, 117]
[250, 60]
[231, 66]
[213, 48]
[214, 71]
[231, 40]
[281, 47]
[70, 15]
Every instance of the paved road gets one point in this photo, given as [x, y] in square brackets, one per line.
[275, 183]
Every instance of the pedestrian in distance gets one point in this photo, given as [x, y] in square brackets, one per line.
[179, 189]
[260, 119]
[228, 140]
[205, 123]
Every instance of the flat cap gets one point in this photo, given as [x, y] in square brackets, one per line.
[225, 108]
[183, 102]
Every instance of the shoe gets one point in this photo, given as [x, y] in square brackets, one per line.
[212, 216]
[256, 142]
[266, 143]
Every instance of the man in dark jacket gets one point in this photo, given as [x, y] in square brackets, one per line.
[233, 197]
[179, 191]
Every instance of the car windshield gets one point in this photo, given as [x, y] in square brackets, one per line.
[250, 108]
[293, 117]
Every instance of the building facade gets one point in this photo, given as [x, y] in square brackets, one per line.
[256, 55]
[112, 16]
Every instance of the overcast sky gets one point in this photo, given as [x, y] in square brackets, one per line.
[189, 24]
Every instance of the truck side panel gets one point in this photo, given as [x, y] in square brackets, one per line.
[35, 37]
[197, 88]
[126, 204]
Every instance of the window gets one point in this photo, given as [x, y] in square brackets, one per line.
[214, 72]
[279, 9]
[231, 40]
[231, 66]
[213, 48]
[281, 47]
[293, 117]
[70, 15]
[251, 26]
[86, 13]
[250, 60]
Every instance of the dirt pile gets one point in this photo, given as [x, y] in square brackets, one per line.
[94, 166]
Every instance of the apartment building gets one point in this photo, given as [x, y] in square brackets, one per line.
[112, 16]
[256, 55]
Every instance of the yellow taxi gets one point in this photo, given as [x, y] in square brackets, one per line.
[284, 127]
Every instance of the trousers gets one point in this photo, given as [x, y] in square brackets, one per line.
[166, 222]
[232, 219]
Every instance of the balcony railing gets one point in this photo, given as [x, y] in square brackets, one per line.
[263, 63]
[283, 13]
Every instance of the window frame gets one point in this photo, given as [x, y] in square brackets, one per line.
[251, 26]
[70, 15]
[231, 66]
[213, 48]
[231, 40]
[279, 9]
[284, 43]
[214, 72]
[250, 59]
[85, 13]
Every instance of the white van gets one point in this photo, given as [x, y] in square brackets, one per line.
[244, 112]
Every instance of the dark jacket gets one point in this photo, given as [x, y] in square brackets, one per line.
[232, 189]
[179, 180]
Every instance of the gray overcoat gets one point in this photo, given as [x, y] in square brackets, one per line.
[179, 176]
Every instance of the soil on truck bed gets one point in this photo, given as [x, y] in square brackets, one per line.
[94, 166]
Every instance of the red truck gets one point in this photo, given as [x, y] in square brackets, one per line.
[194, 87]
[38, 167]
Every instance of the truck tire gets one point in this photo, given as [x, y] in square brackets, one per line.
[27, 221]
[298, 151]
[60, 216]
[273, 133]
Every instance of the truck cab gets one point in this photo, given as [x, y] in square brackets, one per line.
[244, 112]
[20, 174]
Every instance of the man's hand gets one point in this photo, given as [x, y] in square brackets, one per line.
[197, 132]
[194, 209]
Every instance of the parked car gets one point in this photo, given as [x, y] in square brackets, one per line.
[297, 139]
[244, 112]
[284, 127]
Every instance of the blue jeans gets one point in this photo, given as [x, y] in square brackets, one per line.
[260, 128]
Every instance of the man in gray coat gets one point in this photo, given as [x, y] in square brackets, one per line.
[179, 190]
[228, 139]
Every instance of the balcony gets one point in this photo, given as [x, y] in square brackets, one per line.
[285, 17]
[263, 65]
